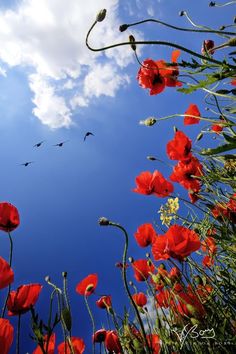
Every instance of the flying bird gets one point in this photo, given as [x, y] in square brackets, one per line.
[39, 144]
[26, 163]
[61, 144]
[87, 134]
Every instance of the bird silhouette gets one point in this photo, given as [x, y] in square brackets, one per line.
[87, 134]
[26, 163]
[39, 144]
[61, 144]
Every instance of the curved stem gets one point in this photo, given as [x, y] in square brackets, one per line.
[124, 275]
[9, 286]
[92, 319]
[180, 28]
[170, 44]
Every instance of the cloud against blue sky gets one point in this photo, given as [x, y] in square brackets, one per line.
[47, 39]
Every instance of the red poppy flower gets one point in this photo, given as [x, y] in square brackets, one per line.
[192, 114]
[153, 183]
[88, 285]
[99, 336]
[231, 205]
[185, 173]
[142, 269]
[6, 335]
[179, 148]
[217, 128]
[207, 46]
[140, 299]
[149, 77]
[6, 274]
[112, 342]
[190, 305]
[178, 242]
[154, 343]
[219, 211]
[23, 298]
[174, 273]
[207, 261]
[209, 245]
[145, 235]
[163, 299]
[9, 217]
[104, 302]
[193, 196]
[48, 346]
[233, 82]
[77, 343]
[160, 249]
[170, 72]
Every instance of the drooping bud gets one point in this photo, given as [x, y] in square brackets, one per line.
[199, 137]
[64, 274]
[132, 40]
[131, 260]
[222, 28]
[101, 15]
[151, 158]
[182, 13]
[123, 27]
[148, 121]
[175, 129]
[103, 221]
[47, 278]
[212, 3]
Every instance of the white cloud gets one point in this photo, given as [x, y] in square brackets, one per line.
[47, 37]
[3, 72]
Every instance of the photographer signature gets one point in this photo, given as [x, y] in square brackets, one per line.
[194, 333]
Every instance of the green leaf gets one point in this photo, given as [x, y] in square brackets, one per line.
[218, 150]
[202, 84]
[229, 138]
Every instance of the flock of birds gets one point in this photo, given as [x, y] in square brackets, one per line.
[37, 145]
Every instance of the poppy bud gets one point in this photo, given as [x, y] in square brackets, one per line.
[175, 129]
[103, 221]
[232, 42]
[162, 266]
[222, 28]
[151, 158]
[123, 27]
[131, 259]
[198, 280]
[101, 15]
[234, 19]
[212, 3]
[148, 122]
[194, 321]
[199, 137]
[191, 309]
[132, 40]
[182, 13]
[47, 278]
[147, 255]
[64, 274]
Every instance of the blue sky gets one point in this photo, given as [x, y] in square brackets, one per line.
[52, 88]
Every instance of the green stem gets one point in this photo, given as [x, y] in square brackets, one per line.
[9, 286]
[18, 335]
[124, 275]
[180, 28]
[170, 44]
[92, 319]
